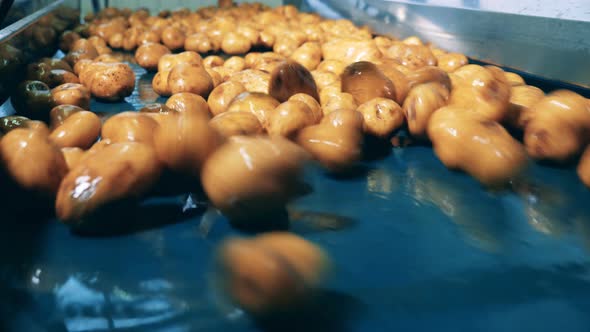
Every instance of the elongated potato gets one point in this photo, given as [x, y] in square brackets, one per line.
[365, 81]
[130, 127]
[71, 94]
[79, 130]
[220, 98]
[290, 78]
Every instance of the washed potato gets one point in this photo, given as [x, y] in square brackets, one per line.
[184, 141]
[450, 62]
[60, 113]
[160, 83]
[349, 50]
[324, 79]
[308, 55]
[364, 81]
[558, 126]
[80, 129]
[428, 74]
[33, 100]
[67, 39]
[422, 101]
[235, 43]
[339, 101]
[290, 78]
[468, 141]
[514, 79]
[72, 156]
[148, 55]
[522, 97]
[189, 78]
[250, 179]
[198, 42]
[259, 104]
[234, 64]
[334, 66]
[238, 123]
[32, 161]
[213, 61]
[253, 80]
[129, 127]
[117, 172]
[220, 98]
[336, 141]
[71, 94]
[274, 272]
[290, 117]
[411, 56]
[108, 81]
[397, 77]
[381, 116]
[169, 61]
[188, 102]
[173, 38]
[312, 103]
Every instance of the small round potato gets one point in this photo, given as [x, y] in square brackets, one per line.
[290, 78]
[148, 55]
[236, 124]
[290, 117]
[188, 102]
[213, 61]
[450, 62]
[235, 43]
[189, 78]
[198, 42]
[312, 103]
[72, 94]
[324, 78]
[169, 61]
[130, 127]
[421, 102]
[234, 64]
[261, 105]
[381, 116]
[79, 130]
[173, 38]
[223, 95]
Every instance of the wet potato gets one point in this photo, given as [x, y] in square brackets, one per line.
[220, 98]
[260, 104]
[33, 100]
[190, 78]
[149, 54]
[72, 94]
[108, 81]
[188, 102]
[381, 116]
[72, 156]
[129, 127]
[237, 123]
[522, 97]
[290, 117]
[80, 129]
[60, 113]
[365, 81]
[290, 78]
[422, 101]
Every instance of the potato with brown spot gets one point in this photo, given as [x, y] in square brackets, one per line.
[364, 81]
[253, 80]
[466, 140]
[117, 172]
[238, 123]
[72, 94]
[261, 105]
[336, 141]
[184, 141]
[33, 162]
[290, 78]
[273, 272]
[381, 116]
[220, 98]
[422, 101]
[188, 102]
[130, 127]
[558, 128]
[251, 179]
[79, 130]
[108, 81]
[149, 54]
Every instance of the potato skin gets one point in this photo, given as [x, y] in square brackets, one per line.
[422, 101]
[71, 94]
[237, 123]
[365, 81]
[222, 96]
[190, 78]
[80, 130]
[290, 78]
[188, 102]
[522, 97]
[108, 81]
[259, 104]
[117, 171]
[32, 160]
[465, 140]
[381, 116]
[129, 127]
[148, 55]
[290, 117]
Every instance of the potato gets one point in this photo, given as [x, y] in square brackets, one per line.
[349, 50]
[160, 83]
[339, 101]
[148, 55]
[156, 108]
[238, 123]
[32, 160]
[10, 122]
[108, 81]
[251, 179]
[117, 172]
[486, 92]
[67, 39]
[116, 40]
[79, 130]
[72, 156]
[215, 76]
[220, 98]
[213, 61]
[33, 100]
[334, 66]
[308, 55]
[249, 32]
[336, 141]
[290, 117]
[381, 116]
[198, 42]
[290, 78]
[364, 81]
[558, 126]
[411, 56]
[173, 38]
[190, 78]
[169, 61]
[60, 113]
[522, 97]
[286, 44]
[468, 141]
[266, 62]
[71, 94]
[273, 272]
[100, 45]
[514, 79]
[129, 127]
[584, 168]
[235, 43]
[450, 62]
[412, 40]
[428, 74]
[312, 103]
[188, 102]
[184, 141]
[383, 43]
[421, 102]
[148, 37]
[259, 104]
[253, 80]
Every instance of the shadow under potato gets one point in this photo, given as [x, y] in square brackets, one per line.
[327, 311]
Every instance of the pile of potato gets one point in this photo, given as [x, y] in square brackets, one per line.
[244, 125]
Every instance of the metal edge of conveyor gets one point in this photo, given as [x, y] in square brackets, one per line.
[552, 48]
[20, 25]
